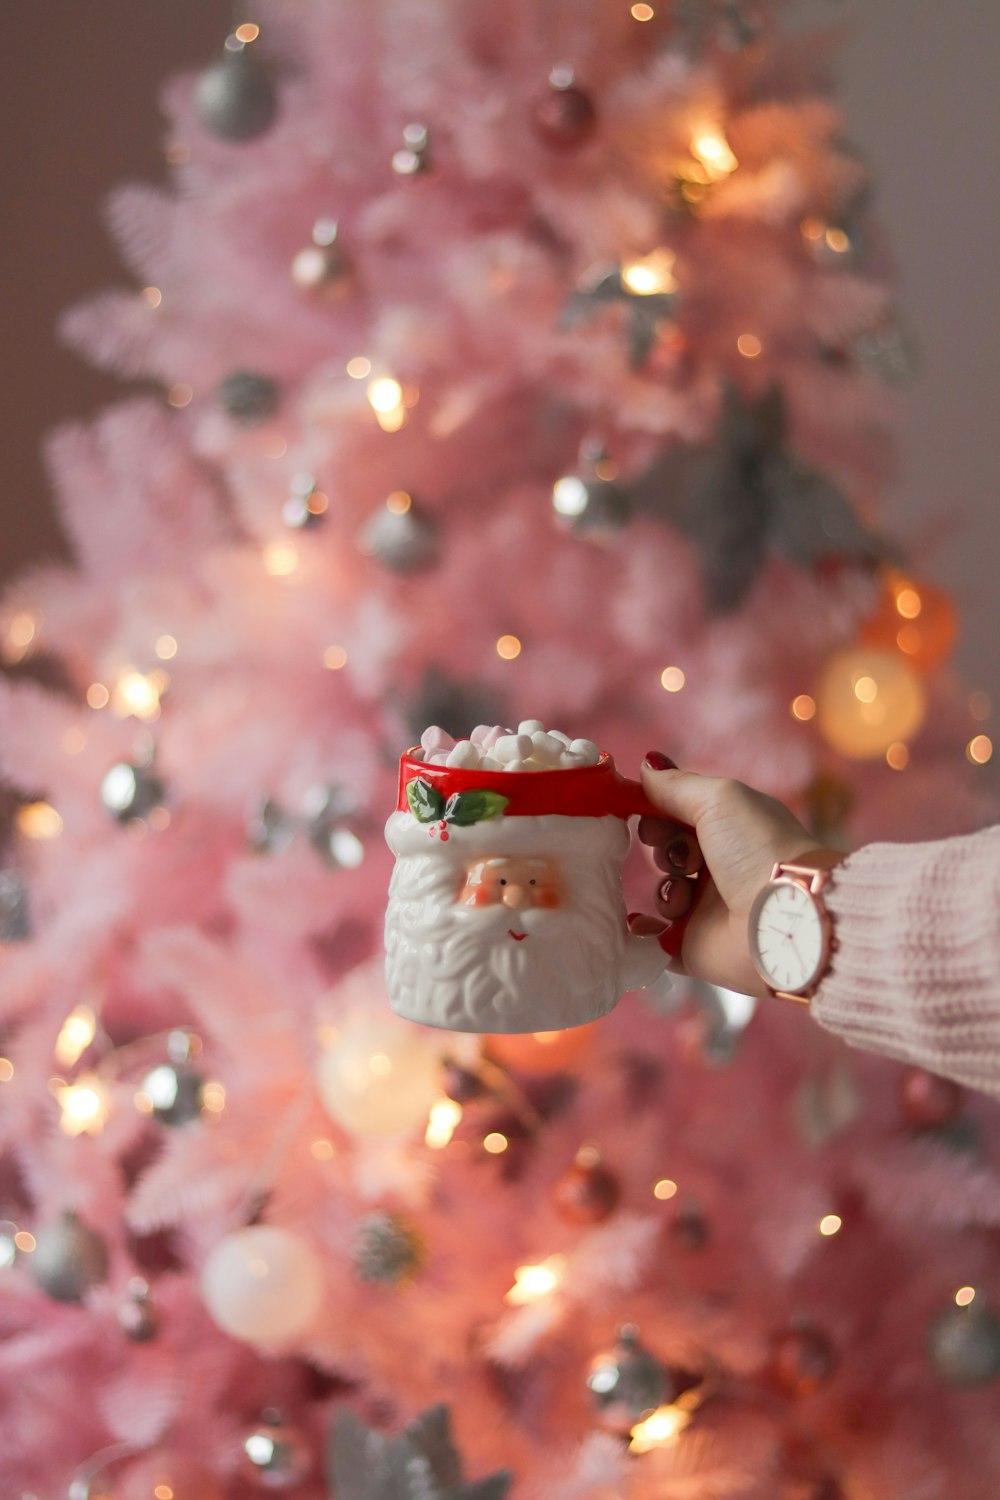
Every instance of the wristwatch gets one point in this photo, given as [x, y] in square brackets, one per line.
[790, 929]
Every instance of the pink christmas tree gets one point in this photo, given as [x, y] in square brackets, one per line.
[518, 360]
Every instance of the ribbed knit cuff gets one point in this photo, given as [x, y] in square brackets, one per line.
[916, 970]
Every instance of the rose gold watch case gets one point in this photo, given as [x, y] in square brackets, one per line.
[812, 880]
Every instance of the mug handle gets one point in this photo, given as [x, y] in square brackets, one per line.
[633, 802]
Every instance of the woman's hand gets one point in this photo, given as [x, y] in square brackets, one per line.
[739, 835]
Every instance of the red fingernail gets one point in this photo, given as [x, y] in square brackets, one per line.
[678, 853]
[657, 761]
[671, 939]
[665, 888]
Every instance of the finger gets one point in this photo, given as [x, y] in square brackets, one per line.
[669, 934]
[657, 831]
[682, 795]
[682, 856]
[674, 898]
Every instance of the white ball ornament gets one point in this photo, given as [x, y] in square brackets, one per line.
[378, 1077]
[868, 699]
[263, 1284]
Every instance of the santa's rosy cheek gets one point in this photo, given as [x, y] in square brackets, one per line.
[478, 895]
[547, 898]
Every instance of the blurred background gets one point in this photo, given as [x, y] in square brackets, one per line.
[79, 114]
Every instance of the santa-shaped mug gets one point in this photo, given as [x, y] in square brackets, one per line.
[506, 910]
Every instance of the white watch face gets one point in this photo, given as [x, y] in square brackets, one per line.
[787, 937]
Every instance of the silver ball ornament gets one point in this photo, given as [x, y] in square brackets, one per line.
[69, 1258]
[323, 269]
[591, 507]
[175, 1094]
[386, 1249]
[14, 924]
[235, 98]
[628, 1382]
[401, 535]
[132, 790]
[248, 397]
[964, 1345]
[276, 1455]
[137, 1316]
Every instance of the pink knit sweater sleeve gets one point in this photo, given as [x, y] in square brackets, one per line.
[916, 970]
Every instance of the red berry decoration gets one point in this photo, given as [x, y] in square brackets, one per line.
[929, 1101]
[588, 1193]
[803, 1359]
[565, 116]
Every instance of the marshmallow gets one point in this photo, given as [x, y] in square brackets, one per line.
[586, 750]
[545, 749]
[436, 738]
[479, 733]
[511, 747]
[464, 754]
[531, 727]
[489, 764]
[488, 742]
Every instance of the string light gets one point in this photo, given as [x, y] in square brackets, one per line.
[495, 1143]
[213, 1097]
[247, 32]
[508, 647]
[664, 1189]
[837, 240]
[897, 756]
[75, 1035]
[152, 296]
[166, 647]
[21, 631]
[98, 695]
[661, 1428]
[712, 151]
[280, 559]
[39, 820]
[642, 12]
[444, 1117]
[83, 1106]
[979, 749]
[672, 679]
[180, 395]
[137, 695]
[6, 1070]
[866, 689]
[359, 368]
[534, 1282]
[399, 502]
[830, 1224]
[25, 1241]
[323, 1149]
[965, 1295]
[803, 708]
[385, 397]
[276, 446]
[651, 275]
[749, 345]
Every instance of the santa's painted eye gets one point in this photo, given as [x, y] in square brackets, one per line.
[503, 880]
[532, 882]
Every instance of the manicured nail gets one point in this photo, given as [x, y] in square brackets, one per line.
[666, 887]
[679, 854]
[657, 761]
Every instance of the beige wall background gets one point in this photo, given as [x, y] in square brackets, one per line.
[78, 113]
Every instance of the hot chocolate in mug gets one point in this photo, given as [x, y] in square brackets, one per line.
[506, 910]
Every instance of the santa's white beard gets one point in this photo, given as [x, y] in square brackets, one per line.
[458, 967]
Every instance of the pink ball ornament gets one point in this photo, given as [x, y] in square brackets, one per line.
[867, 700]
[379, 1077]
[263, 1284]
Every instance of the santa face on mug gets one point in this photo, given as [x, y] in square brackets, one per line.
[515, 924]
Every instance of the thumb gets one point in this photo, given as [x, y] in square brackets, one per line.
[682, 795]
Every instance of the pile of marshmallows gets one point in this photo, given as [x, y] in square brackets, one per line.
[494, 748]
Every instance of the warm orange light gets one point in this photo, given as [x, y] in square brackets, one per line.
[508, 647]
[909, 639]
[749, 345]
[534, 1282]
[98, 695]
[803, 707]
[642, 12]
[384, 394]
[866, 690]
[152, 296]
[166, 647]
[495, 1143]
[248, 32]
[6, 1070]
[672, 679]
[837, 240]
[653, 273]
[813, 229]
[660, 1429]
[712, 150]
[180, 395]
[898, 756]
[965, 1295]
[979, 749]
[908, 602]
[213, 1098]
[136, 696]
[20, 632]
[444, 1117]
[359, 368]
[38, 820]
[399, 502]
[25, 1241]
[163, 1492]
[664, 1189]
[82, 1105]
[830, 1224]
[75, 1036]
[322, 1150]
[334, 657]
[280, 559]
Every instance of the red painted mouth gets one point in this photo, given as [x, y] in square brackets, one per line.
[518, 937]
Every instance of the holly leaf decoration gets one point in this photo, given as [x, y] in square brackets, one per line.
[426, 802]
[465, 808]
